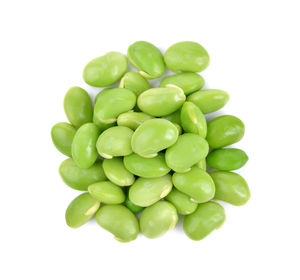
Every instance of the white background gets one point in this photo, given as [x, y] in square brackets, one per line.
[254, 49]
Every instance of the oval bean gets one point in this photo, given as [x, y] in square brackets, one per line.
[84, 150]
[161, 101]
[146, 191]
[116, 172]
[107, 192]
[187, 151]
[230, 187]
[192, 119]
[147, 167]
[186, 56]
[227, 159]
[182, 202]
[153, 136]
[113, 102]
[80, 179]
[147, 58]
[224, 131]
[196, 183]
[208, 217]
[119, 221]
[158, 218]
[134, 82]
[78, 106]
[189, 82]
[81, 210]
[115, 142]
[209, 100]
[105, 70]
[132, 119]
[62, 135]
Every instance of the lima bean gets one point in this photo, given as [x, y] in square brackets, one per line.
[182, 202]
[189, 82]
[107, 192]
[147, 58]
[227, 159]
[78, 178]
[158, 218]
[208, 217]
[153, 136]
[160, 102]
[230, 187]
[119, 221]
[134, 82]
[132, 119]
[196, 183]
[81, 210]
[105, 70]
[116, 172]
[146, 167]
[188, 150]
[113, 102]
[115, 142]
[84, 150]
[78, 106]
[209, 100]
[146, 191]
[192, 119]
[224, 131]
[186, 56]
[62, 135]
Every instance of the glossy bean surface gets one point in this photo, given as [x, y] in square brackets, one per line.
[78, 178]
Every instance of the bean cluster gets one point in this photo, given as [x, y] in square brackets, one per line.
[143, 149]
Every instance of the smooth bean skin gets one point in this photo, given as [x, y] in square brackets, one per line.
[147, 58]
[132, 119]
[147, 191]
[115, 142]
[196, 183]
[105, 70]
[178, 128]
[189, 82]
[81, 210]
[62, 135]
[78, 106]
[208, 217]
[192, 119]
[119, 221]
[84, 150]
[174, 117]
[224, 131]
[134, 82]
[230, 187]
[182, 202]
[113, 102]
[209, 100]
[186, 56]
[188, 150]
[227, 159]
[158, 218]
[146, 167]
[80, 179]
[107, 192]
[132, 207]
[153, 136]
[116, 172]
[160, 102]
[202, 164]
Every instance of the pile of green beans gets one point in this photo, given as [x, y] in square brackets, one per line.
[139, 153]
